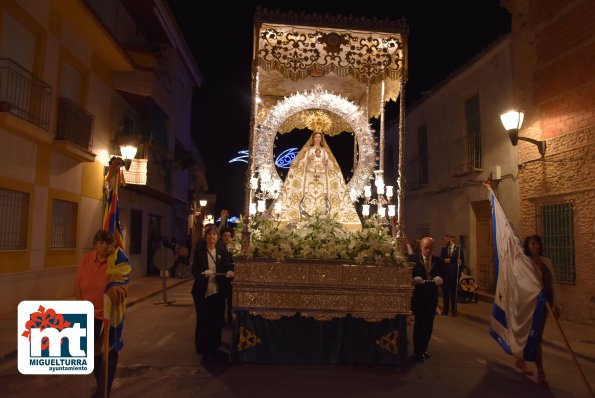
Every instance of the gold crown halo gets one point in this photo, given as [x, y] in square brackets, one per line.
[318, 121]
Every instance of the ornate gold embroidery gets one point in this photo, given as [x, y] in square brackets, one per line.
[389, 342]
[316, 185]
[247, 339]
[322, 290]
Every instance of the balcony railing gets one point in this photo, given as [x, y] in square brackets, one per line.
[74, 124]
[23, 94]
[472, 159]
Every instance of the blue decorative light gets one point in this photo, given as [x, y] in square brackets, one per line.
[286, 157]
[283, 160]
[242, 158]
[232, 219]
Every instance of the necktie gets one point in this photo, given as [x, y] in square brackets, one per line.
[427, 263]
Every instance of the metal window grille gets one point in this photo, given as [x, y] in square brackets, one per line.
[14, 219]
[423, 230]
[64, 218]
[558, 239]
[74, 124]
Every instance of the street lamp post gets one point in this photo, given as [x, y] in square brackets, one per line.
[196, 220]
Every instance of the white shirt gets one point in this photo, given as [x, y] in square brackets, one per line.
[212, 286]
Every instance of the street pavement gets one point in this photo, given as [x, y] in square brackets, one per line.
[580, 337]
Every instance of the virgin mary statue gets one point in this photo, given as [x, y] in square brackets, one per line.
[314, 183]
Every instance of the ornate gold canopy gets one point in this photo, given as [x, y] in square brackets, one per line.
[352, 57]
[348, 67]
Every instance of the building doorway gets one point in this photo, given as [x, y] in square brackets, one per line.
[484, 246]
[154, 235]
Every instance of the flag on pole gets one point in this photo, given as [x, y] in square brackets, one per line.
[118, 266]
[111, 214]
[519, 305]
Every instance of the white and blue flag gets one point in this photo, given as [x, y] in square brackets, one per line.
[519, 303]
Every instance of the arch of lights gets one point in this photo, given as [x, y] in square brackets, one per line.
[318, 98]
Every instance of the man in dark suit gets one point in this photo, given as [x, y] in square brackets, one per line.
[427, 276]
[454, 263]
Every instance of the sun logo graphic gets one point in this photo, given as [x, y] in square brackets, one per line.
[55, 337]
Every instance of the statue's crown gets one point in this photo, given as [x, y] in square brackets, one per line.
[318, 121]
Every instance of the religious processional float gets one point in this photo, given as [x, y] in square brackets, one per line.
[306, 252]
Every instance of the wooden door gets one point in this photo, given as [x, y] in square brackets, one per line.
[484, 246]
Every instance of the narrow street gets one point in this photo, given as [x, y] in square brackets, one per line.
[159, 360]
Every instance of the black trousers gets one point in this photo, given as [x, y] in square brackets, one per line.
[424, 311]
[449, 290]
[228, 305]
[209, 323]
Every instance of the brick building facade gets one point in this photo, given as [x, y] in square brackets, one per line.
[553, 47]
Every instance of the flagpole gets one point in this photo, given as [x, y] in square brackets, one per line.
[457, 287]
[580, 369]
[105, 359]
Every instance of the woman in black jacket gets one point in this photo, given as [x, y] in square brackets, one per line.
[212, 269]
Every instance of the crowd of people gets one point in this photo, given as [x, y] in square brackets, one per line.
[434, 273]
[212, 267]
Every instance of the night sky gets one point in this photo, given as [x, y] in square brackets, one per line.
[442, 38]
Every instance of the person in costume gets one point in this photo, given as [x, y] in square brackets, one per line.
[315, 184]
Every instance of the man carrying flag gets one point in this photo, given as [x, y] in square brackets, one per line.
[523, 289]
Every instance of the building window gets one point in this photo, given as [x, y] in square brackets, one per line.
[136, 231]
[423, 230]
[422, 156]
[64, 218]
[472, 120]
[71, 82]
[558, 239]
[14, 219]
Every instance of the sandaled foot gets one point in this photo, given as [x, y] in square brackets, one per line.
[523, 367]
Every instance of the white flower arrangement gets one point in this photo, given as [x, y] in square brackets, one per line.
[320, 237]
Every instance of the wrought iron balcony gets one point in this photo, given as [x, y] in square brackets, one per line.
[472, 159]
[74, 124]
[23, 94]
